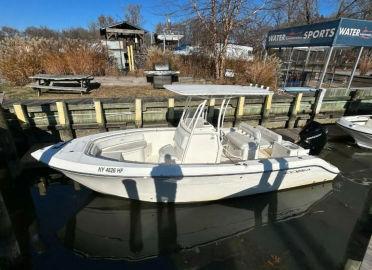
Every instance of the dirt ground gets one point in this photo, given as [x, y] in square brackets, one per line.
[18, 93]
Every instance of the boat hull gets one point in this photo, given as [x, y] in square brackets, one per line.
[361, 134]
[202, 188]
[181, 183]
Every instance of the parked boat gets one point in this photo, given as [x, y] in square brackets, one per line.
[359, 127]
[193, 162]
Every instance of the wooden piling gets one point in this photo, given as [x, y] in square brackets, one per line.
[170, 116]
[239, 111]
[295, 109]
[132, 56]
[65, 132]
[100, 116]
[266, 109]
[22, 116]
[318, 103]
[138, 113]
[211, 104]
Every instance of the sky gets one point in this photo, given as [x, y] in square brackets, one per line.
[60, 14]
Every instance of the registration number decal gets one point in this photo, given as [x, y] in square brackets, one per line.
[298, 170]
[114, 170]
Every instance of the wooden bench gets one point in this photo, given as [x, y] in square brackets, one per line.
[38, 88]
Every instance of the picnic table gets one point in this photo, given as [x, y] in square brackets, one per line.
[79, 83]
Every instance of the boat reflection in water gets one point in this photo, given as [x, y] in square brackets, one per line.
[109, 227]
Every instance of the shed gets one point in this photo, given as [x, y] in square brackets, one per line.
[124, 42]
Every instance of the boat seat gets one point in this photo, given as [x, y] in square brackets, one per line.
[242, 146]
[288, 149]
[369, 123]
[268, 137]
[130, 147]
[251, 131]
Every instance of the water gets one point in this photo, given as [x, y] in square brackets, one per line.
[314, 227]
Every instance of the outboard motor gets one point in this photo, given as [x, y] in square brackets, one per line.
[314, 137]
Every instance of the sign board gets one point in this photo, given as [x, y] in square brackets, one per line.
[341, 32]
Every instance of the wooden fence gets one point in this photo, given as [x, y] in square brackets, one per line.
[66, 119]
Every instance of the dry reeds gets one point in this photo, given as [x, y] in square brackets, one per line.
[365, 65]
[22, 57]
[259, 71]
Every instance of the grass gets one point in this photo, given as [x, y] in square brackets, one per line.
[24, 93]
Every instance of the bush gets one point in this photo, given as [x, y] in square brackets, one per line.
[24, 57]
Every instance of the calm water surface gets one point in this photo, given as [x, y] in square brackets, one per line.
[315, 227]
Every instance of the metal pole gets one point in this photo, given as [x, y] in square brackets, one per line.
[307, 59]
[335, 62]
[288, 66]
[355, 67]
[163, 40]
[325, 67]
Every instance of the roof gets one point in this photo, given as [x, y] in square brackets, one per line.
[216, 90]
[122, 28]
[124, 25]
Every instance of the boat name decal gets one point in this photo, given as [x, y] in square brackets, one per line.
[298, 170]
[102, 169]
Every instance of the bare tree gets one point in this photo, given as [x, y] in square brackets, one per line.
[220, 18]
[43, 31]
[361, 9]
[132, 14]
[7, 31]
[102, 21]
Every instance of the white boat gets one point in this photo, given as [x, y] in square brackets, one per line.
[359, 127]
[193, 162]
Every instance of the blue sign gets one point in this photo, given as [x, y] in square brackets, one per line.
[341, 32]
[356, 33]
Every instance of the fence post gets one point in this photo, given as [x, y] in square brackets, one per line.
[100, 116]
[295, 109]
[170, 116]
[138, 113]
[65, 132]
[21, 113]
[239, 110]
[266, 109]
[318, 102]
[211, 104]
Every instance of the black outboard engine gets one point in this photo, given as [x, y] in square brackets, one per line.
[314, 137]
